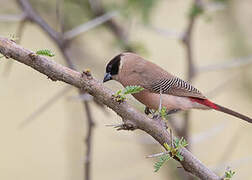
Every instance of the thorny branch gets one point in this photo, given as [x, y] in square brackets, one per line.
[131, 117]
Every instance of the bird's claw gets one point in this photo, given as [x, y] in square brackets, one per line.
[147, 110]
[156, 116]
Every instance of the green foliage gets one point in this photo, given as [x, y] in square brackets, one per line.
[132, 89]
[45, 52]
[121, 94]
[164, 158]
[163, 112]
[195, 10]
[173, 150]
[229, 174]
[142, 7]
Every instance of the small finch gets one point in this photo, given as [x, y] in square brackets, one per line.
[130, 69]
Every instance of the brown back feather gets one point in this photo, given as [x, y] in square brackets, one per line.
[137, 71]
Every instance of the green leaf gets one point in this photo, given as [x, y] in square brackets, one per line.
[179, 156]
[132, 89]
[229, 174]
[161, 162]
[45, 52]
[118, 92]
[183, 142]
[163, 112]
[167, 147]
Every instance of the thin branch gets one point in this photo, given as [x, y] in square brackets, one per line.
[187, 40]
[234, 63]
[64, 48]
[44, 106]
[119, 32]
[203, 136]
[131, 117]
[170, 33]
[60, 15]
[89, 25]
[89, 138]
[82, 97]
[222, 86]
[32, 16]
[12, 17]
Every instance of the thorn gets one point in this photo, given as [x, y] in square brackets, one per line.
[157, 154]
[32, 56]
[124, 126]
[86, 72]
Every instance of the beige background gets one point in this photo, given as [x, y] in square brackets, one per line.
[52, 146]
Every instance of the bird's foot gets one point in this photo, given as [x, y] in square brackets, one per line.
[156, 116]
[148, 111]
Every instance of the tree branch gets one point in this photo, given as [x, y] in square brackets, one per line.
[84, 81]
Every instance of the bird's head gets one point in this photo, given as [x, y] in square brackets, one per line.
[112, 68]
[118, 64]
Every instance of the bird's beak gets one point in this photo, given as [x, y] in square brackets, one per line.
[107, 77]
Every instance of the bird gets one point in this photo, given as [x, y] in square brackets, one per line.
[130, 69]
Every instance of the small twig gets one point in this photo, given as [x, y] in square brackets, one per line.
[172, 143]
[234, 63]
[81, 97]
[165, 32]
[157, 154]
[89, 138]
[89, 25]
[60, 15]
[222, 86]
[12, 17]
[203, 136]
[44, 106]
[118, 31]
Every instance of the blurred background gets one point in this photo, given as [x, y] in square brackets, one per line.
[44, 125]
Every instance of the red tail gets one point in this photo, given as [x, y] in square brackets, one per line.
[217, 107]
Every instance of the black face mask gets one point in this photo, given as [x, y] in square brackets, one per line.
[112, 68]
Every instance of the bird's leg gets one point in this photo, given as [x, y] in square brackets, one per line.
[157, 116]
[160, 101]
[148, 111]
